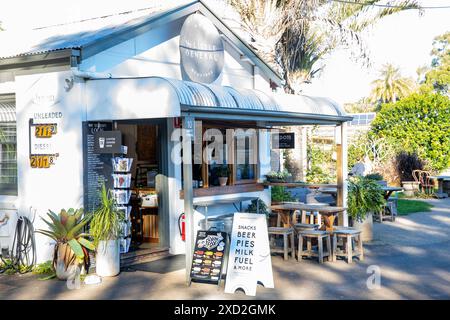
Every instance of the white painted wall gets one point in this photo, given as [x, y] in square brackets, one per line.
[61, 185]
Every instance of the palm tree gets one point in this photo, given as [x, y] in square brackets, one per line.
[391, 86]
[295, 35]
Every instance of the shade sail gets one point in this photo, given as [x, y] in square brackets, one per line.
[157, 97]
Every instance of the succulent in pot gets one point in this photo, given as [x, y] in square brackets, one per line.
[72, 245]
[105, 228]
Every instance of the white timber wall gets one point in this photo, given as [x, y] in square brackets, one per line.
[42, 97]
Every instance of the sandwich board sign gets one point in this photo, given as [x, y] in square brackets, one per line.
[249, 260]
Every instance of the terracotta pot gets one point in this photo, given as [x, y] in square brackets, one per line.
[223, 181]
[63, 272]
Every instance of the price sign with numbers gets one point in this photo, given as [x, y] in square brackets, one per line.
[42, 161]
[45, 130]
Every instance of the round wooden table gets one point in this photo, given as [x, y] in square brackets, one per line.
[326, 211]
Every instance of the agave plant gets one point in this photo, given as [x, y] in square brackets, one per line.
[71, 248]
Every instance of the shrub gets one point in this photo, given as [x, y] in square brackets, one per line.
[279, 194]
[364, 196]
[407, 162]
[253, 206]
[418, 124]
[374, 176]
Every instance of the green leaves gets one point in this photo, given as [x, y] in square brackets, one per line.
[105, 224]
[418, 124]
[85, 243]
[76, 248]
[364, 195]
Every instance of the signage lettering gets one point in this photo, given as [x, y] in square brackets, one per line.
[249, 260]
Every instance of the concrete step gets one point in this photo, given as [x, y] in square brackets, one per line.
[142, 255]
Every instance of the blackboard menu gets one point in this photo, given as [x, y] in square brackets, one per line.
[97, 167]
[209, 251]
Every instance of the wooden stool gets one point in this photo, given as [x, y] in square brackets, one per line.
[314, 234]
[286, 233]
[348, 235]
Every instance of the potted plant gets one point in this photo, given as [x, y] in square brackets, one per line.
[105, 228]
[223, 172]
[71, 248]
[365, 196]
[278, 176]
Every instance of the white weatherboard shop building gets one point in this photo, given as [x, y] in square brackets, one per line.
[136, 74]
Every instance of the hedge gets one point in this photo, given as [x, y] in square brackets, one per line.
[419, 123]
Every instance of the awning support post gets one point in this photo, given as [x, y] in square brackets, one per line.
[342, 171]
[188, 135]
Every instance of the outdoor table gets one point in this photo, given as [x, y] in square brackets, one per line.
[327, 212]
[233, 200]
[440, 180]
[389, 190]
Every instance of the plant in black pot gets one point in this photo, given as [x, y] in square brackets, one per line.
[278, 176]
[365, 196]
[222, 172]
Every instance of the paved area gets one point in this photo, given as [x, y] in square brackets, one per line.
[412, 254]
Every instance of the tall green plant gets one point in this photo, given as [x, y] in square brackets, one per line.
[364, 196]
[105, 224]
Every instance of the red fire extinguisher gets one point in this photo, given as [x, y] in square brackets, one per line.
[182, 226]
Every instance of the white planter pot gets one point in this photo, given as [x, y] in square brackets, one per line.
[107, 258]
[410, 187]
[223, 181]
[366, 227]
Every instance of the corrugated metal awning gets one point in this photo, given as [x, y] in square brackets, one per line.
[212, 98]
[7, 112]
[159, 97]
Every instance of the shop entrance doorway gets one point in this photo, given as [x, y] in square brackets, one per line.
[143, 185]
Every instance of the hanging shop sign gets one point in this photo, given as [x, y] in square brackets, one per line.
[108, 142]
[207, 260]
[249, 260]
[201, 50]
[283, 140]
[42, 148]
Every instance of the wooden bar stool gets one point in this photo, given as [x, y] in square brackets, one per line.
[314, 234]
[287, 233]
[348, 235]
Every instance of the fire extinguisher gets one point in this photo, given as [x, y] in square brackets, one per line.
[182, 226]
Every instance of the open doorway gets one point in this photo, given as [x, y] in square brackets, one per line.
[146, 144]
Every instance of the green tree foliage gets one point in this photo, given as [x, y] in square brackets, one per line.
[438, 77]
[391, 86]
[419, 123]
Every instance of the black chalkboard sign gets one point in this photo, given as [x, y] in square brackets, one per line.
[207, 260]
[97, 167]
[283, 140]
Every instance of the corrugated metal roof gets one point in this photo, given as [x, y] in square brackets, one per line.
[77, 34]
[195, 94]
[7, 112]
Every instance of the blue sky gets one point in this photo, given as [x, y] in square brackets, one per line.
[404, 39]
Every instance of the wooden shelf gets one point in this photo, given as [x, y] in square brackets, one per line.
[212, 191]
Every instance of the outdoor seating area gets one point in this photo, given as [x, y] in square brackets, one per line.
[311, 230]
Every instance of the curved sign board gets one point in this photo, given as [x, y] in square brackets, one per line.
[201, 50]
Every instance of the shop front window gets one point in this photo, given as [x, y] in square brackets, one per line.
[8, 159]
[230, 153]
